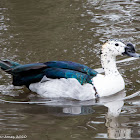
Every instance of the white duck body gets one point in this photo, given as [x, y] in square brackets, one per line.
[64, 88]
[112, 81]
[105, 85]
[71, 88]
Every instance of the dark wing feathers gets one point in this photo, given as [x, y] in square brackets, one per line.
[31, 73]
[28, 67]
[65, 73]
[22, 79]
[71, 66]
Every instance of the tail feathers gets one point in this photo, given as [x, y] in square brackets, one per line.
[7, 65]
[23, 74]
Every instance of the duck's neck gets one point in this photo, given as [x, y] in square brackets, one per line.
[109, 65]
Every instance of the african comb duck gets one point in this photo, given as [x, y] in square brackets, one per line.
[66, 79]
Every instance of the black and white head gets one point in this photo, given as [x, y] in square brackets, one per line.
[116, 47]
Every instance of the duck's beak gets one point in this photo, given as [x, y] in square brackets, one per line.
[130, 51]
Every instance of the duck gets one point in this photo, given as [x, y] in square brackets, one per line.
[71, 80]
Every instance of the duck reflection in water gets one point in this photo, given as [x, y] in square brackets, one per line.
[113, 121]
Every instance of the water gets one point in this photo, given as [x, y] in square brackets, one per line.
[39, 31]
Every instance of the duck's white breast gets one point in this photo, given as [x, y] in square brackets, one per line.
[108, 85]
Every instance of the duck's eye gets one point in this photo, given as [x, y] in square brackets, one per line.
[116, 44]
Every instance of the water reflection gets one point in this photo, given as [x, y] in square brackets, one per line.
[114, 104]
[113, 124]
[64, 114]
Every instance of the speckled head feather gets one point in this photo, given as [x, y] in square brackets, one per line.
[113, 47]
[109, 41]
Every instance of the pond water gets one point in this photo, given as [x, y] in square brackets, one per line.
[72, 30]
